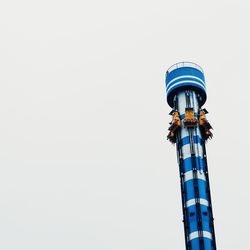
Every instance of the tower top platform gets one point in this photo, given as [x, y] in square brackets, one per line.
[185, 76]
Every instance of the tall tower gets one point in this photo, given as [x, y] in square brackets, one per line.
[189, 130]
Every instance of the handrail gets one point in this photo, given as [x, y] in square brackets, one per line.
[184, 64]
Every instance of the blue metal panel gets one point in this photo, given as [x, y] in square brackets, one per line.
[195, 244]
[208, 243]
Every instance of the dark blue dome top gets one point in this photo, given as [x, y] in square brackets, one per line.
[185, 76]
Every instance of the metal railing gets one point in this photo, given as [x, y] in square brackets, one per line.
[184, 64]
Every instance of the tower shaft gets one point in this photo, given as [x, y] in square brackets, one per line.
[196, 198]
[189, 129]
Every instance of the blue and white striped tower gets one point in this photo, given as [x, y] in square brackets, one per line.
[189, 129]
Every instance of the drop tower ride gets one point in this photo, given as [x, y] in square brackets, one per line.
[189, 130]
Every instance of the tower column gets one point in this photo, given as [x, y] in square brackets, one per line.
[189, 129]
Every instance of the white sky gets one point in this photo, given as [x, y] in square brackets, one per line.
[84, 161]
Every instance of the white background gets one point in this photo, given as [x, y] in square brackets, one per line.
[84, 161]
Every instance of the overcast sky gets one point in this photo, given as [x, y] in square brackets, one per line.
[84, 161]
